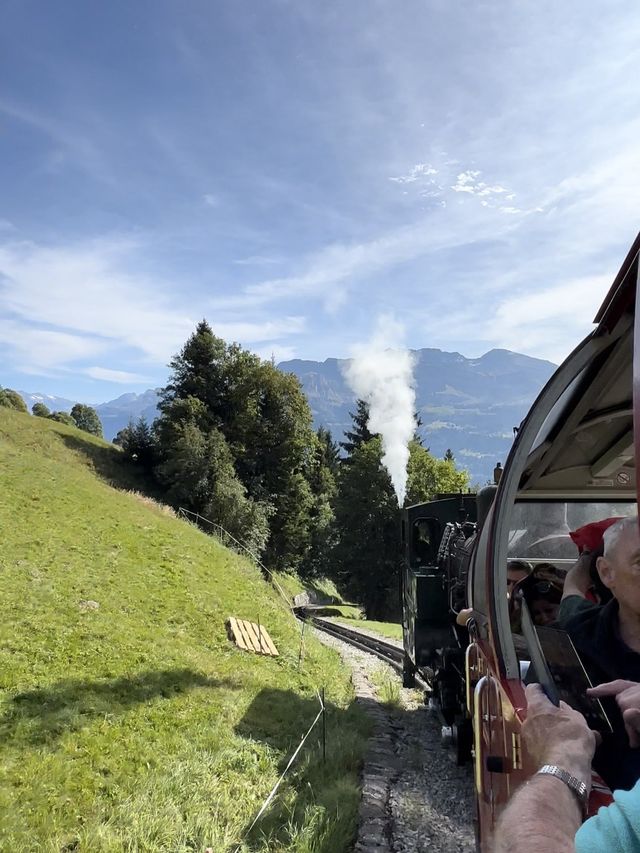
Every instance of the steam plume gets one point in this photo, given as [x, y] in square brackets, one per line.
[382, 374]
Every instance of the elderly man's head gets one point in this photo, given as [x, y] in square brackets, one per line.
[619, 567]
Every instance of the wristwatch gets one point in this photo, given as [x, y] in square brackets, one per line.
[578, 787]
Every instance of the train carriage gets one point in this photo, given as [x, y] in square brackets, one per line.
[572, 462]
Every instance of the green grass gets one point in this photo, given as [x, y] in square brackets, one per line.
[387, 686]
[138, 726]
[393, 630]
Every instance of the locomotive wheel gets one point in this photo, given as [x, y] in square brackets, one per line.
[408, 672]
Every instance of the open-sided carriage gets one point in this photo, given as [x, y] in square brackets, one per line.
[572, 462]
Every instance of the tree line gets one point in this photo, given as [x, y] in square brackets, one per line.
[234, 443]
[81, 416]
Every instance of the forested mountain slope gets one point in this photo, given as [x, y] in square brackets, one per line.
[467, 405]
[127, 718]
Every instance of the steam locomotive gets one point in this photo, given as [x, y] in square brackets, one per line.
[573, 461]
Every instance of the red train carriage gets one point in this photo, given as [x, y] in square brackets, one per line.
[572, 462]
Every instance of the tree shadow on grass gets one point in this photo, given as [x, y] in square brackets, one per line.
[280, 718]
[111, 465]
[47, 713]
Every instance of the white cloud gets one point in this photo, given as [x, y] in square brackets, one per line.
[210, 200]
[68, 304]
[121, 376]
[416, 173]
[277, 352]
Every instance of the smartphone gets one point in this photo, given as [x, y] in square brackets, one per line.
[560, 672]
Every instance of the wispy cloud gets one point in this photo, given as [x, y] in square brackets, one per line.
[123, 377]
[67, 304]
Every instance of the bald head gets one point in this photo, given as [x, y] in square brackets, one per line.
[623, 528]
[619, 567]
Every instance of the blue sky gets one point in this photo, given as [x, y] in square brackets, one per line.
[294, 169]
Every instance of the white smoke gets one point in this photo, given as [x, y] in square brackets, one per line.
[381, 373]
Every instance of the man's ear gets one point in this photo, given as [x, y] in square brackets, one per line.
[606, 571]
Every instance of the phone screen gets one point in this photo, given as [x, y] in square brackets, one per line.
[570, 677]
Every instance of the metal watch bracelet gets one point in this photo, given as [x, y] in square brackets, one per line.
[578, 787]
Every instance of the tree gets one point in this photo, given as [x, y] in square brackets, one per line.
[360, 433]
[10, 399]
[428, 476]
[138, 443]
[329, 450]
[40, 410]
[62, 418]
[86, 418]
[265, 420]
[322, 481]
[199, 475]
[367, 553]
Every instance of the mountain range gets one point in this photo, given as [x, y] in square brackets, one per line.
[467, 405]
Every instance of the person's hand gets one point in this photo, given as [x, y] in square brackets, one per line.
[627, 695]
[557, 735]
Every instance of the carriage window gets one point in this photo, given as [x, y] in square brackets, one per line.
[540, 530]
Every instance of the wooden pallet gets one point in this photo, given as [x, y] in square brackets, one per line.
[251, 637]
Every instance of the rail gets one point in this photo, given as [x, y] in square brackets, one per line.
[393, 655]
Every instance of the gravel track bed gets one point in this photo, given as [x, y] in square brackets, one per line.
[414, 797]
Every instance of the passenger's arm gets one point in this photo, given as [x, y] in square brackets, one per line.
[578, 579]
[544, 814]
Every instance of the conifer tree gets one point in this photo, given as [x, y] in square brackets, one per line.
[359, 434]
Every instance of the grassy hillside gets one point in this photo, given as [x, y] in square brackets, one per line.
[136, 725]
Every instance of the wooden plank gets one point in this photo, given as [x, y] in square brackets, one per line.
[237, 634]
[262, 639]
[246, 635]
[252, 631]
[269, 642]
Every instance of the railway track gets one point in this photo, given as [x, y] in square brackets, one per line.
[393, 655]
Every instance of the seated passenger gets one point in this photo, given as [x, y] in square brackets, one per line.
[517, 570]
[608, 641]
[583, 579]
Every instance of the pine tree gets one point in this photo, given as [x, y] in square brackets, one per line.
[360, 433]
[367, 553]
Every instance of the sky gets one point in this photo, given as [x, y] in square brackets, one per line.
[293, 170]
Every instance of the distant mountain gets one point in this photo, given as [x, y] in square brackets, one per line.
[54, 404]
[115, 414]
[468, 405]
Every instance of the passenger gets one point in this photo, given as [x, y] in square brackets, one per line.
[608, 641]
[545, 605]
[545, 814]
[517, 570]
[543, 593]
[582, 579]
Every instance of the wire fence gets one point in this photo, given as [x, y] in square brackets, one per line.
[321, 715]
[229, 541]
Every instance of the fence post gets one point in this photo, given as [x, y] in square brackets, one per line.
[324, 730]
[304, 622]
